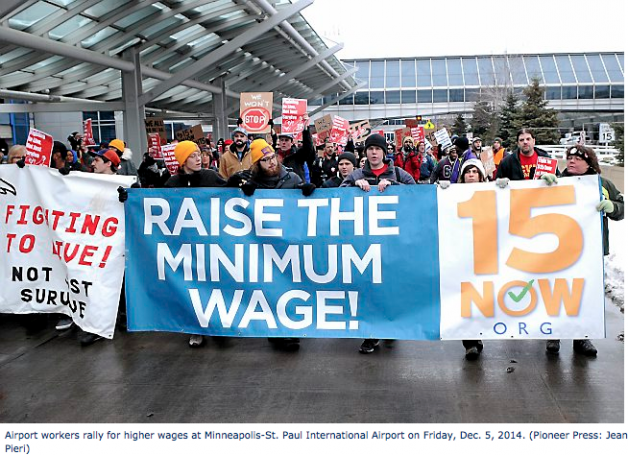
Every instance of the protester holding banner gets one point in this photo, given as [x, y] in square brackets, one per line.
[381, 172]
[346, 165]
[126, 156]
[521, 165]
[191, 175]
[236, 157]
[582, 160]
[408, 159]
[445, 167]
[150, 174]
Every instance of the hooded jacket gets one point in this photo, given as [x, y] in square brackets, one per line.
[126, 164]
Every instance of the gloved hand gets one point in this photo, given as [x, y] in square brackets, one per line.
[21, 163]
[605, 205]
[248, 188]
[136, 185]
[306, 188]
[149, 160]
[550, 179]
[444, 184]
[240, 121]
[123, 194]
[236, 180]
[502, 183]
[64, 170]
[271, 123]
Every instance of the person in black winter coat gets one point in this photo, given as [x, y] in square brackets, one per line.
[346, 164]
[521, 165]
[295, 158]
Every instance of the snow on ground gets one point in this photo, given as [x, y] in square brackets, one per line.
[614, 263]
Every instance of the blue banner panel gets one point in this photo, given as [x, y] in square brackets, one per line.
[341, 263]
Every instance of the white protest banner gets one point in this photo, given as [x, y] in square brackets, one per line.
[167, 152]
[528, 260]
[442, 137]
[293, 113]
[545, 165]
[88, 133]
[38, 148]
[256, 110]
[63, 239]
[360, 130]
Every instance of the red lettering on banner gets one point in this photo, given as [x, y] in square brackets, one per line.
[88, 252]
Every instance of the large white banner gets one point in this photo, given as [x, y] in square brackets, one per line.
[521, 262]
[62, 243]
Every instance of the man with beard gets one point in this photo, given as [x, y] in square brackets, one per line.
[236, 157]
[296, 158]
[407, 158]
[268, 173]
[326, 166]
[474, 152]
[521, 165]
[346, 165]
[382, 173]
[191, 174]
[445, 167]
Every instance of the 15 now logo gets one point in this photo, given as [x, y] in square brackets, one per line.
[482, 210]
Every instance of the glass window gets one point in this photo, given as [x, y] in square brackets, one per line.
[376, 97]
[581, 68]
[518, 71]
[597, 68]
[552, 93]
[424, 96]
[439, 74]
[533, 68]
[602, 92]
[472, 94]
[102, 8]
[502, 71]
[440, 96]
[454, 69]
[424, 73]
[30, 16]
[585, 92]
[98, 37]
[377, 74]
[316, 102]
[612, 67]
[393, 97]
[617, 91]
[566, 72]
[470, 71]
[408, 73]
[392, 73]
[487, 74]
[70, 25]
[570, 92]
[346, 101]
[361, 98]
[408, 96]
[363, 70]
[620, 59]
[456, 95]
[549, 70]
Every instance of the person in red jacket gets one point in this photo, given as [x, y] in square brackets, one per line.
[408, 159]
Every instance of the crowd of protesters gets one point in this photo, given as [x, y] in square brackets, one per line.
[248, 162]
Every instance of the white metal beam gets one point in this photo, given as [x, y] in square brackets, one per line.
[226, 49]
[338, 98]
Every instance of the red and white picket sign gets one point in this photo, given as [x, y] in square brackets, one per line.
[39, 148]
[545, 165]
[293, 111]
[154, 146]
[171, 162]
[339, 130]
[418, 134]
[88, 133]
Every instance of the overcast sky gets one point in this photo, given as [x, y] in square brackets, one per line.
[410, 28]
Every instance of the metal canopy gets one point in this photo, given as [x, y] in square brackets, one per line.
[78, 50]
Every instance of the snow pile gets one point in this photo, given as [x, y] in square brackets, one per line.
[614, 264]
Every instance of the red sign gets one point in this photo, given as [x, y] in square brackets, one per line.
[400, 134]
[255, 111]
[545, 165]
[339, 130]
[88, 134]
[171, 162]
[418, 134]
[411, 123]
[39, 148]
[293, 113]
[255, 118]
[154, 146]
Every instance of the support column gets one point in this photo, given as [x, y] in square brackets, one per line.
[220, 124]
[134, 126]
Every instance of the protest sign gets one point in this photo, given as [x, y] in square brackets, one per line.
[63, 238]
[39, 148]
[488, 160]
[360, 130]
[339, 130]
[545, 165]
[418, 134]
[293, 114]
[154, 146]
[442, 138]
[323, 124]
[528, 260]
[156, 125]
[88, 133]
[411, 123]
[167, 152]
[255, 111]
[400, 134]
[194, 134]
[210, 261]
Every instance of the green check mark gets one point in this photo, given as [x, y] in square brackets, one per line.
[524, 291]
